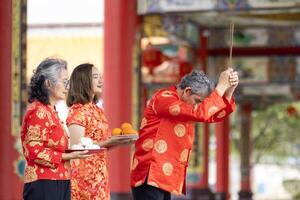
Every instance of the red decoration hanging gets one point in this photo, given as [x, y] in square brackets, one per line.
[152, 57]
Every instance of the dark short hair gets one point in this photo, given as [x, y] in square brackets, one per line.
[81, 86]
[197, 81]
[48, 69]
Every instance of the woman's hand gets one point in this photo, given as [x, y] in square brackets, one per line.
[76, 155]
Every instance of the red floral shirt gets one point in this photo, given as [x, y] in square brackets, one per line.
[89, 177]
[44, 140]
[166, 137]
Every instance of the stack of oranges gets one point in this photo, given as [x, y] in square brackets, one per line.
[126, 129]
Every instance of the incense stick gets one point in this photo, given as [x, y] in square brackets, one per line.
[231, 43]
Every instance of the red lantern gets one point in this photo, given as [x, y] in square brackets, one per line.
[152, 57]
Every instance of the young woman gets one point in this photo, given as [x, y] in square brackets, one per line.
[85, 119]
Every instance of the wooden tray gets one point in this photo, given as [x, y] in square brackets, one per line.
[128, 136]
[90, 151]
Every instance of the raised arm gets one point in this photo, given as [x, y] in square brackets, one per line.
[170, 106]
[212, 109]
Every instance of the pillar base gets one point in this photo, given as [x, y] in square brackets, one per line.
[245, 195]
[203, 194]
[221, 196]
[196, 194]
[121, 196]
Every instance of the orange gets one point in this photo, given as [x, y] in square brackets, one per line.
[126, 125]
[130, 131]
[117, 131]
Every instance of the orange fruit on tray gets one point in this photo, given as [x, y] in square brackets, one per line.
[117, 131]
[129, 131]
[126, 125]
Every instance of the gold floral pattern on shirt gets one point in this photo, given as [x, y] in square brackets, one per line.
[34, 143]
[89, 177]
[167, 169]
[51, 143]
[41, 113]
[39, 144]
[166, 94]
[30, 174]
[161, 146]
[174, 110]
[179, 130]
[62, 141]
[79, 118]
[54, 170]
[67, 166]
[45, 163]
[33, 133]
[184, 155]
[25, 151]
[67, 175]
[44, 155]
[147, 144]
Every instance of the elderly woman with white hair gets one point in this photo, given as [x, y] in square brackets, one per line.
[44, 139]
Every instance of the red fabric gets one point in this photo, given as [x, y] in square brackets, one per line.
[89, 177]
[184, 68]
[167, 136]
[44, 140]
[152, 57]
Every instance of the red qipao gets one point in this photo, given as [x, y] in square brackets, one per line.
[166, 137]
[89, 177]
[44, 140]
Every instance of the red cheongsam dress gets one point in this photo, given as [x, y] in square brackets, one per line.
[89, 177]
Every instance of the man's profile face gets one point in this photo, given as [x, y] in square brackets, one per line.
[192, 98]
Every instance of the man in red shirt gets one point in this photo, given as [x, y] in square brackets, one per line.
[167, 132]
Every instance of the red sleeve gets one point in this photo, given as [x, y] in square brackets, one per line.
[223, 113]
[213, 108]
[230, 104]
[77, 116]
[38, 126]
